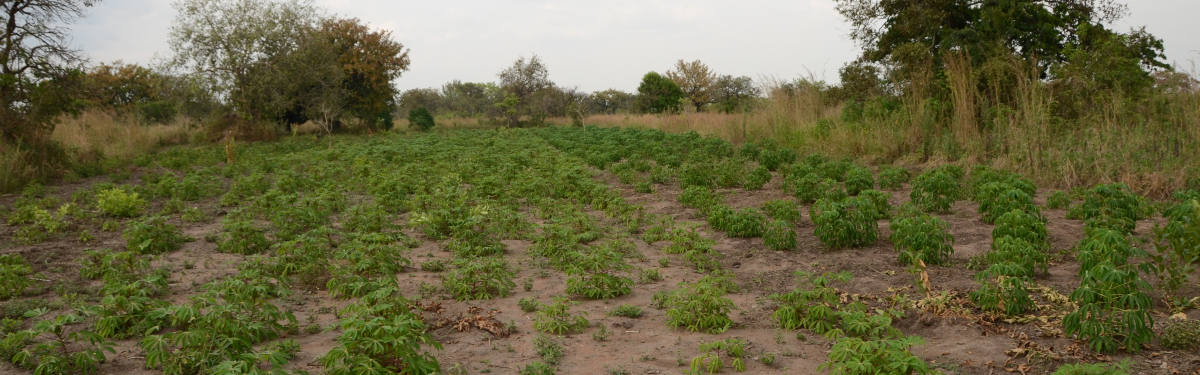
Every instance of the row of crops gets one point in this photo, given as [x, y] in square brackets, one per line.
[307, 216]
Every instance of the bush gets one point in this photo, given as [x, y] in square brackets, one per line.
[780, 236]
[697, 174]
[1112, 206]
[699, 307]
[1181, 335]
[479, 278]
[881, 201]
[242, 237]
[14, 275]
[935, 191]
[1121, 368]
[848, 223]
[556, 318]
[119, 203]
[855, 356]
[893, 178]
[746, 222]
[701, 198]
[628, 311]
[812, 187]
[758, 177]
[380, 336]
[811, 305]
[996, 199]
[783, 209]
[1114, 310]
[421, 119]
[859, 179]
[550, 351]
[922, 237]
[593, 274]
[154, 235]
[1030, 227]
[1058, 200]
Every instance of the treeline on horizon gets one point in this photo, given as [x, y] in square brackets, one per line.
[1041, 85]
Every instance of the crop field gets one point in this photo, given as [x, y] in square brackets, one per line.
[584, 250]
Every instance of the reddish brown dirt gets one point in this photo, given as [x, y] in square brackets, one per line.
[958, 340]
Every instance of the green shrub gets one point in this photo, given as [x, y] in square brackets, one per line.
[479, 278]
[14, 275]
[710, 361]
[528, 304]
[1181, 335]
[881, 201]
[1004, 294]
[119, 203]
[420, 119]
[537, 368]
[848, 223]
[730, 172]
[57, 349]
[699, 307]
[1177, 249]
[855, 356]
[1120, 368]
[812, 187]
[982, 175]
[835, 170]
[365, 263]
[783, 209]
[1030, 227]
[812, 304]
[556, 318]
[684, 240]
[746, 222]
[1058, 200]
[379, 335]
[550, 351]
[628, 311]
[44, 224]
[697, 174]
[893, 178]
[997, 198]
[1114, 310]
[758, 177]
[780, 236]
[154, 235]
[594, 274]
[935, 191]
[1111, 206]
[701, 198]
[661, 174]
[242, 237]
[922, 237]
[859, 179]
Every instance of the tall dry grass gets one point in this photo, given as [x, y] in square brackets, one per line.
[120, 136]
[1154, 149]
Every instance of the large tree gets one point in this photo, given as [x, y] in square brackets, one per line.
[370, 61]
[658, 94]
[35, 59]
[734, 94]
[523, 82]
[696, 81]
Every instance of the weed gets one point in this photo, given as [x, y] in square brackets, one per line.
[650, 275]
[699, 307]
[528, 304]
[537, 368]
[154, 235]
[1120, 368]
[601, 334]
[780, 236]
[527, 284]
[436, 265]
[14, 272]
[556, 318]
[628, 311]
[847, 223]
[1181, 335]
[593, 274]
[767, 359]
[1058, 200]
[479, 278]
[119, 203]
[550, 351]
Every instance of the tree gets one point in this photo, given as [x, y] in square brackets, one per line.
[695, 80]
[658, 94]
[232, 44]
[370, 60]
[469, 99]
[524, 80]
[734, 94]
[421, 119]
[429, 98]
[35, 65]
[611, 100]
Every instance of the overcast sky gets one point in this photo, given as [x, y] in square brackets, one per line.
[595, 44]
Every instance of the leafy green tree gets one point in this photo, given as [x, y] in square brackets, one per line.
[696, 81]
[610, 101]
[525, 80]
[658, 94]
[421, 119]
[734, 94]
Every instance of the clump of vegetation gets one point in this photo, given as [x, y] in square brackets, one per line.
[556, 318]
[479, 278]
[14, 275]
[893, 178]
[550, 351]
[699, 307]
[1058, 200]
[1181, 335]
[936, 189]
[1119, 368]
[711, 362]
[628, 311]
[757, 178]
[858, 180]
[780, 236]
[922, 237]
[847, 223]
[746, 222]
[242, 237]
[783, 209]
[594, 274]
[1110, 206]
[120, 203]
[154, 235]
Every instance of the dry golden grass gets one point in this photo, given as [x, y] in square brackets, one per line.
[120, 136]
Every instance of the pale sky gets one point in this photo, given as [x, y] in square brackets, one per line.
[595, 45]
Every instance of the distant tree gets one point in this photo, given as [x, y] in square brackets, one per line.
[36, 62]
[658, 94]
[734, 94]
[524, 80]
[420, 119]
[370, 61]
[469, 99]
[611, 100]
[429, 98]
[235, 44]
[695, 80]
